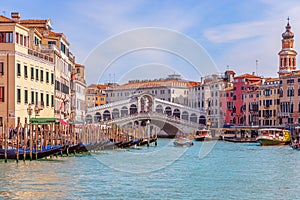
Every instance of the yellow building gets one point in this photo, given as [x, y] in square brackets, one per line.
[26, 74]
[56, 46]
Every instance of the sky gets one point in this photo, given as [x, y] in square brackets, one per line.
[127, 39]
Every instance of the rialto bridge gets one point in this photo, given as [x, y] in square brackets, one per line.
[140, 108]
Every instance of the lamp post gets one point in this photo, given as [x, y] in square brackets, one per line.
[29, 111]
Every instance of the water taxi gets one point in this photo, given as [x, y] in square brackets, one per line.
[273, 136]
[202, 135]
[182, 141]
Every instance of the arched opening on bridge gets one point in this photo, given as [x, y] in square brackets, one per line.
[176, 113]
[115, 113]
[185, 116]
[97, 117]
[89, 119]
[106, 115]
[159, 109]
[124, 111]
[202, 120]
[146, 102]
[168, 111]
[133, 109]
[193, 118]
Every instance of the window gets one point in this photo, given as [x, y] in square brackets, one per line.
[32, 73]
[1, 68]
[18, 69]
[52, 42]
[17, 38]
[52, 101]
[19, 95]
[42, 99]
[36, 98]
[25, 96]
[25, 41]
[6, 37]
[32, 97]
[25, 71]
[37, 74]
[2, 94]
[57, 85]
[47, 99]
[42, 75]
[1, 121]
[47, 77]
[52, 78]
[290, 81]
[290, 92]
[36, 41]
[21, 39]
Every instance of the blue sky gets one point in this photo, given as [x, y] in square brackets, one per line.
[234, 33]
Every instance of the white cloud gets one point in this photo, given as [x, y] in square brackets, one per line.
[249, 41]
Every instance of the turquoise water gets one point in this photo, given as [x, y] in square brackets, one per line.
[228, 171]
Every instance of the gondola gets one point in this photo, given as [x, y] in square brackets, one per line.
[12, 153]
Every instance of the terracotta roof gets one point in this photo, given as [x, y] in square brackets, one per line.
[33, 21]
[158, 83]
[271, 79]
[230, 71]
[247, 76]
[4, 19]
[51, 33]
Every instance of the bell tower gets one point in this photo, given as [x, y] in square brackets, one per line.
[287, 55]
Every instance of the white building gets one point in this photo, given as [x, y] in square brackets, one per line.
[172, 89]
[79, 85]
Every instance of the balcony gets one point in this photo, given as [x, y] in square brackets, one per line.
[49, 48]
[284, 114]
[40, 55]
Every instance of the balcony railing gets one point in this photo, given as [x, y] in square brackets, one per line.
[49, 47]
[40, 55]
[283, 114]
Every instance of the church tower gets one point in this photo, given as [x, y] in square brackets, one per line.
[287, 55]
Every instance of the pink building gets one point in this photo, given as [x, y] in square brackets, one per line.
[235, 99]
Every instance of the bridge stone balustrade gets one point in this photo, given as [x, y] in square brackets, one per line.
[168, 116]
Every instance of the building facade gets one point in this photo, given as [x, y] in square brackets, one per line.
[95, 95]
[27, 89]
[172, 89]
[78, 101]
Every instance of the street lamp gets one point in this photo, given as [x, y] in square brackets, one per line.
[29, 111]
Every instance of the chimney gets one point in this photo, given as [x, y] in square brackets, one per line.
[253, 73]
[15, 16]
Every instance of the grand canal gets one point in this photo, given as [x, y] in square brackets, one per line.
[229, 171]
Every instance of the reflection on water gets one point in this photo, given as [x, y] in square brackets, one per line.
[229, 171]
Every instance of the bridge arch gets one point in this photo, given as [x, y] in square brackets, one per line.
[159, 108]
[133, 109]
[168, 111]
[89, 119]
[115, 113]
[193, 118]
[146, 103]
[176, 113]
[106, 115]
[202, 120]
[124, 111]
[185, 116]
[97, 117]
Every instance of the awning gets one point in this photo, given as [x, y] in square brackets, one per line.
[63, 122]
[43, 120]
